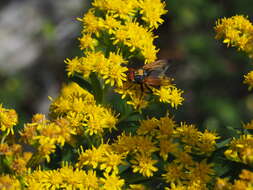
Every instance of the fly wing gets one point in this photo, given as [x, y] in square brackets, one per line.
[159, 64]
[156, 82]
[157, 69]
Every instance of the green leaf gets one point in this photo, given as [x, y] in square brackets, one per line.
[223, 143]
[82, 82]
[97, 88]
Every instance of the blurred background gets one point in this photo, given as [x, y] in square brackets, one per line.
[37, 36]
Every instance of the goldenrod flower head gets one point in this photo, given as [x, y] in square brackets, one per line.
[137, 187]
[151, 11]
[166, 146]
[72, 66]
[87, 42]
[248, 125]
[135, 36]
[64, 178]
[148, 126]
[114, 74]
[236, 32]
[170, 94]
[248, 79]
[202, 171]
[144, 165]
[8, 182]
[110, 23]
[174, 173]
[188, 134]
[207, 142]
[91, 23]
[123, 9]
[8, 119]
[241, 149]
[91, 157]
[112, 182]
[111, 162]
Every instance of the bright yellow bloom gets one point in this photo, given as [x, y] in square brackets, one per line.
[148, 126]
[166, 147]
[112, 182]
[91, 157]
[241, 150]
[111, 161]
[174, 173]
[138, 187]
[8, 118]
[144, 165]
[91, 23]
[72, 66]
[129, 34]
[87, 42]
[207, 142]
[64, 178]
[248, 79]
[152, 11]
[170, 94]
[201, 171]
[114, 74]
[9, 183]
[120, 8]
[236, 32]
[188, 134]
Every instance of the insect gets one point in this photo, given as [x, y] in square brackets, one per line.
[152, 74]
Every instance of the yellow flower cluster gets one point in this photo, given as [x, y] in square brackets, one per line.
[79, 109]
[8, 119]
[241, 149]
[69, 178]
[237, 31]
[245, 182]
[165, 138]
[8, 182]
[47, 134]
[112, 35]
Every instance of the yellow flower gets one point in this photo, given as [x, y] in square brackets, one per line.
[137, 187]
[86, 41]
[201, 171]
[148, 126]
[114, 74]
[248, 125]
[241, 149]
[174, 173]
[111, 23]
[90, 157]
[236, 32]
[91, 23]
[166, 147]
[207, 142]
[45, 149]
[144, 165]
[248, 79]
[152, 11]
[169, 94]
[129, 35]
[120, 8]
[72, 66]
[8, 118]
[9, 183]
[111, 162]
[112, 182]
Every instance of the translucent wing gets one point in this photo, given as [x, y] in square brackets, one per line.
[157, 69]
[159, 64]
